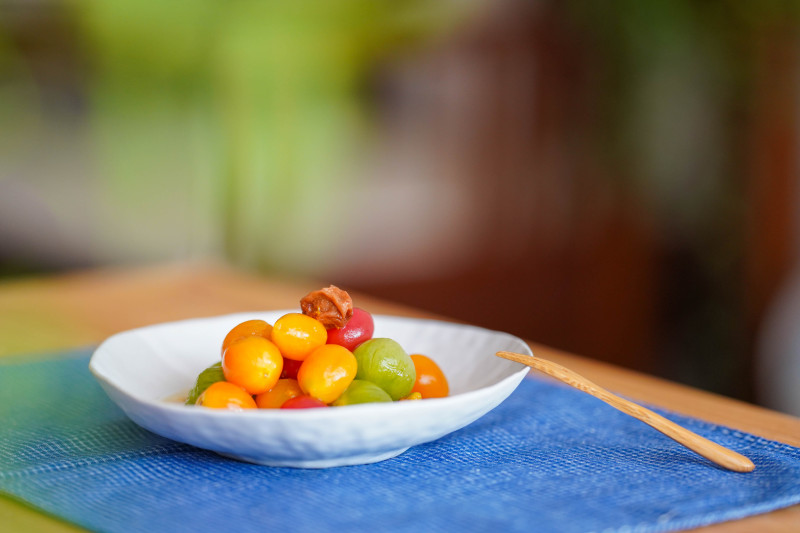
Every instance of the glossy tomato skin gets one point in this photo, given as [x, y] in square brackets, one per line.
[359, 328]
[430, 381]
[297, 335]
[253, 363]
[224, 395]
[327, 372]
[258, 328]
[303, 402]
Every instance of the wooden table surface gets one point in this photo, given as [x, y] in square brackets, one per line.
[44, 314]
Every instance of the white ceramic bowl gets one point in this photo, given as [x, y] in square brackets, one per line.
[141, 368]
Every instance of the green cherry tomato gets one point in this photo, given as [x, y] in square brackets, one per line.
[385, 363]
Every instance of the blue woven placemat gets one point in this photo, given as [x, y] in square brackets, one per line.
[548, 459]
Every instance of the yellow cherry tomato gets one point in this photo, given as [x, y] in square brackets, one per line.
[412, 396]
[297, 335]
[258, 328]
[283, 390]
[327, 372]
[224, 395]
[253, 363]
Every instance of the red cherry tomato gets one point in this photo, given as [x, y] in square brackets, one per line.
[290, 368]
[302, 402]
[359, 328]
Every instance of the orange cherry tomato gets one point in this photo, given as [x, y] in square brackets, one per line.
[430, 382]
[327, 372]
[247, 328]
[274, 398]
[253, 363]
[224, 395]
[297, 335]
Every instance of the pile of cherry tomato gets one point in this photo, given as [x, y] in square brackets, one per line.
[297, 363]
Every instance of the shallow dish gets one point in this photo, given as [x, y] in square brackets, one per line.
[142, 368]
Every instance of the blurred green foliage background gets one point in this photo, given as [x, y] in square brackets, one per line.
[199, 128]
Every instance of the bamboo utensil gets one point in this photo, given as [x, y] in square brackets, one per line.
[710, 450]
